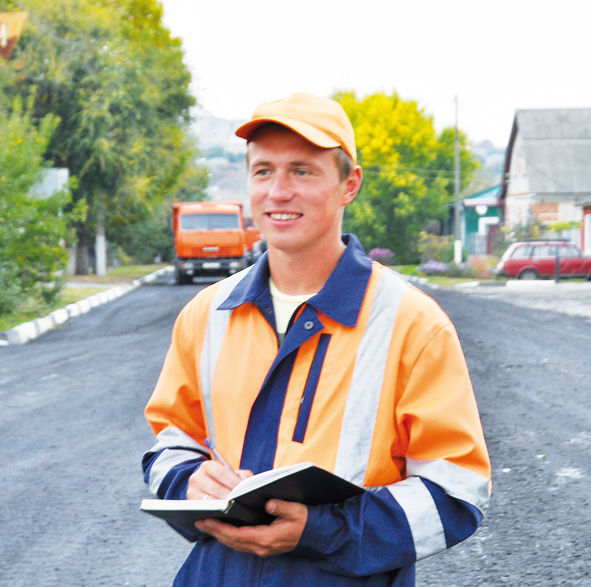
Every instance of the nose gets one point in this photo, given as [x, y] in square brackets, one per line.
[281, 188]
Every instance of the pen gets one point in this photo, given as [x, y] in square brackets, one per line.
[218, 456]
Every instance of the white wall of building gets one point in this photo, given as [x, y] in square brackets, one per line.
[518, 200]
[518, 181]
[569, 212]
[518, 210]
[587, 243]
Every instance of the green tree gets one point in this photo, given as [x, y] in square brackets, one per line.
[444, 160]
[111, 72]
[191, 184]
[151, 237]
[408, 178]
[32, 231]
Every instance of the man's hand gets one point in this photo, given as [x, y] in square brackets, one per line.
[213, 480]
[279, 537]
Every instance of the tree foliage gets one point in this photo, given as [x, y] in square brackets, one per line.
[408, 171]
[151, 238]
[114, 76]
[32, 231]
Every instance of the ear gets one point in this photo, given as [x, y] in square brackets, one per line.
[352, 185]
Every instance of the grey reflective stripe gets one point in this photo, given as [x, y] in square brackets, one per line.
[422, 516]
[172, 437]
[456, 481]
[368, 376]
[212, 343]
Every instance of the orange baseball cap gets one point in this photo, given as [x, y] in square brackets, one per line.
[322, 122]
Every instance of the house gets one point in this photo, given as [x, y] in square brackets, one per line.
[547, 173]
[480, 220]
[586, 228]
[481, 225]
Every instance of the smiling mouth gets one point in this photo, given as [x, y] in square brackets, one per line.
[275, 216]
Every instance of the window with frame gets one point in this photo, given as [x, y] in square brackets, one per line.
[521, 252]
[210, 221]
[544, 251]
[568, 251]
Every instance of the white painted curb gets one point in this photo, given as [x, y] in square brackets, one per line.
[29, 330]
[467, 285]
[415, 279]
[533, 283]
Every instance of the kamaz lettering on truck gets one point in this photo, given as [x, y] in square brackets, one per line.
[211, 239]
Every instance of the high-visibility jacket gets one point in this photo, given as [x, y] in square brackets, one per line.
[370, 383]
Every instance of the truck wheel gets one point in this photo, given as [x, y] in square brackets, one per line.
[181, 278]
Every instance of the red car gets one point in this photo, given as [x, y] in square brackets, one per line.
[530, 260]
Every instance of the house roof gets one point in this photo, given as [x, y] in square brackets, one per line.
[557, 149]
[488, 197]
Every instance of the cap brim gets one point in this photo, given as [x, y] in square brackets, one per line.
[307, 131]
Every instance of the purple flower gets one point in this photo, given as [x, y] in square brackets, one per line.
[432, 267]
[383, 256]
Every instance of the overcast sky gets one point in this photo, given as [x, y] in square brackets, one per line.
[496, 56]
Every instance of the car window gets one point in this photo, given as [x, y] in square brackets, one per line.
[544, 251]
[521, 252]
[568, 251]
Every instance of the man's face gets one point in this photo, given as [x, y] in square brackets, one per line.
[295, 193]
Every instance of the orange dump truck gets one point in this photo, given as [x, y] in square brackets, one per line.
[211, 239]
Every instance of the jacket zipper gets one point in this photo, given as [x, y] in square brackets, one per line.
[262, 313]
[289, 324]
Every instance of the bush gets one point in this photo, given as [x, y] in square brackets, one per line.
[438, 248]
[32, 231]
[433, 267]
[383, 256]
[483, 265]
[531, 230]
[11, 290]
[144, 241]
[460, 270]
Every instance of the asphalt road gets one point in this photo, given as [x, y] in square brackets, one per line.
[72, 435]
[531, 371]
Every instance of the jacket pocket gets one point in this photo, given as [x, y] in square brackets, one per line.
[310, 389]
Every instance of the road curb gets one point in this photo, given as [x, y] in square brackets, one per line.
[27, 331]
[415, 279]
[516, 283]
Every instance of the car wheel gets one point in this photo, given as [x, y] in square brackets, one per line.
[528, 274]
[588, 278]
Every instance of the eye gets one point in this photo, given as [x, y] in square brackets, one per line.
[302, 172]
[261, 172]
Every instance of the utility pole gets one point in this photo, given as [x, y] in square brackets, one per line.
[458, 228]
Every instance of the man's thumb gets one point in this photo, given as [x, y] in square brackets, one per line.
[276, 507]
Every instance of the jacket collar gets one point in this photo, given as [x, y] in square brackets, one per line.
[341, 297]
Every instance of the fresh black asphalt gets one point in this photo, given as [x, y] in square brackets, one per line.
[73, 432]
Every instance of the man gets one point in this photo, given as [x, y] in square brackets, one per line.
[318, 354]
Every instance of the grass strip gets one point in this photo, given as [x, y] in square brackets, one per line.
[32, 310]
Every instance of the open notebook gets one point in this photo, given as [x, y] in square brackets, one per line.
[245, 505]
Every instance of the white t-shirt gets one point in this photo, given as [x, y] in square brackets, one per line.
[284, 307]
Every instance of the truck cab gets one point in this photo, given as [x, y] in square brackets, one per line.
[211, 239]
